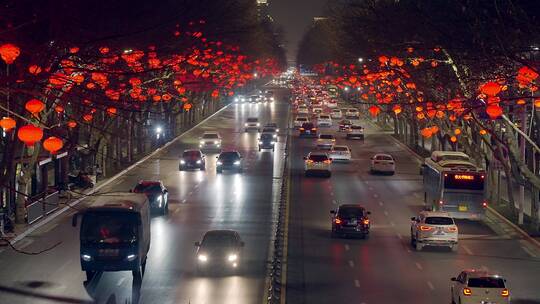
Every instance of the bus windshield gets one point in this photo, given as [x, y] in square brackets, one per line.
[463, 181]
[109, 227]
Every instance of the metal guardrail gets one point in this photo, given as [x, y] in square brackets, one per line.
[42, 206]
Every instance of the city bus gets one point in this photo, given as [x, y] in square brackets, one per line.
[115, 234]
[452, 183]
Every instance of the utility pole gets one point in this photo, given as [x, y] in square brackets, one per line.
[523, 148]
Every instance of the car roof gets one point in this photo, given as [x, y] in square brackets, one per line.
[326, 134]
[211, 132]
[382, 154]
[341, 146]
[221, 232]
[317, 153]
[435, 213]
[119, 201]
[149, 182]
[479, 273]
[192, 150]
[343, 206]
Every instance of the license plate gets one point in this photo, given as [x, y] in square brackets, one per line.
[462, 208]
[439, 231]
[352, 222]
[108, 252]
[308, 132]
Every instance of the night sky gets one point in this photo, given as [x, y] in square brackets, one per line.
[295, 16]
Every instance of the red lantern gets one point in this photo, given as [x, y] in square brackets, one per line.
[111, 111]
[494, 111]
[88, 117]
[187, 106]
[491, 88]
[59, 109]
[7, 123]
[34, 106]
[104, 50]
[53, 144]
[426, 132]
[72, 124]
[374, 110]
[34, 69]
[453, 139]
[9, 52]
[30, 134]
[215, 94]
[396, 109]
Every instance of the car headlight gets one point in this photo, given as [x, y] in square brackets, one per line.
[245, 125]
[260, 142]
[277, 130]
[202, 258]
[258, 124]
[86, 257]
[198, 162]
[182, 162]
[202, 142]
[232, 257]
[236, 99]
[216, 142]
[237, 163]
[131, 257]
[219, 163]
[275, 135]
[272, 142]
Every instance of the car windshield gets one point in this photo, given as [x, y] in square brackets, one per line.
[341, 149]
[219, 240]
[147, 188]
[267, 136]
[326, 136]
[301, 119]
[307, 126]
[383, 157]
[351, 116]
[318, 157]
[210, 136]
[229, 156]
[252, 120]
[356, 127]
[324, 117]
[109, 227]
[486, 282]
[191, 154]
[269, 130]
[351, 212]
[439, 220]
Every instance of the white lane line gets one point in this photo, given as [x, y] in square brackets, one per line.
[357, 283]
[196, 186]
[385, 212]
[190, 193]
[351, 264]
[467, 249]
[430, 285]
[528, 251]
[399, 236]
[177, 210]
[184, 201]
[120, 281]
[334, 202]
[331, 193]
[367, 183]
[375, 195]
[370, 188]
[484, 268]
[408, 250]
[392, 224]
[418, 266]
[347, 247]
[381, 204]
[416, 194]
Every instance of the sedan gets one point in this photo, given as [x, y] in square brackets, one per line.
[307, 130]
[326, 141]
[350, 220]
[344, 125]
[317, 162]
[478, 286]
[192, 159]
[336, 114]
[231, 160]
[383, 163]
[157, 194]
[219, 250]
[340, 153]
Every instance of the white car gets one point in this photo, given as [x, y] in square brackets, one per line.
[317, 162]
[478, 286]
[299, 121]
[331, 104]
[210, 141]
[324, 120]
[336, 114]
[340, 153]
[303, 110]
[434, 228]
[383, 163]
[252, 123]
[326, 141]
[317, 110]
[352, 111]
[355, 132]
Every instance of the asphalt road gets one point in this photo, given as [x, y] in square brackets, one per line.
[199, 201]
[385, 269]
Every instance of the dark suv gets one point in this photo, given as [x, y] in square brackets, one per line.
[308, 130]
[350, 220]
[231, 160]
[192, 159]
[267, 141]
[157, 194]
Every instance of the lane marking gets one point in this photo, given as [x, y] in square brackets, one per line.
[409, 250]
[385, 212]
[370, 188]
[381, 204]
[334, 202]
[357, 283]
[351, 263]
[399, 236]
[177, 210]
[467, 249]
[184, 201]
[375, 195]
[418, 266]
[120, 281]
[430, 285]
[347, 247]
[392, 224]
[528, 251]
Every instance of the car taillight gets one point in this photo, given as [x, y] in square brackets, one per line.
[376, 162]
[484, 204]
[451, 229]
[309, 161]
[301, 129]
[467, 291]
[327, 161]
[441, 202]
[505, 293]
[425, 228]
[337, 221]
[390, 163]
[365, 221]
[313, 129]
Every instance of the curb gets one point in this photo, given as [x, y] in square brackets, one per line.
[69, 206]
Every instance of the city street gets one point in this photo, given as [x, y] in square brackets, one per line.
[199, 201]
[384, 268]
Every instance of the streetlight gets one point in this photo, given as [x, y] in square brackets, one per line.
[360, 59]
[346, 89]
[255, 75]
[159, 131]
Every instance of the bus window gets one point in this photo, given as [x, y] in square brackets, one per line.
[109, 228]
[464, 181]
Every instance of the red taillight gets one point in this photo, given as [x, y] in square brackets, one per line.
[313, 129]
[337, 221]
[467, 291]
[505, 293]
[484, 204]
[327, 161]
[425, 228]
[451, 229]
[301, 129]
[365, 221]
[441, 202]
[309, 161]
